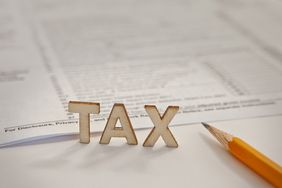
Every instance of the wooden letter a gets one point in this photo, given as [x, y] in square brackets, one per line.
[118, 113]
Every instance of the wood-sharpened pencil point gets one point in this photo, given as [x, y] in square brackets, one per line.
[205, 125]
[223, 137]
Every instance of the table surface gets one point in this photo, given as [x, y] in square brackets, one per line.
[199, 161]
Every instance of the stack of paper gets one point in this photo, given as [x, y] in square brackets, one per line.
[216, 60]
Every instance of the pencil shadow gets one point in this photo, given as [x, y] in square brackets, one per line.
[230, 162]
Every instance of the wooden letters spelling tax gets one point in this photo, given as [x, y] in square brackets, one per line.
[119, 113]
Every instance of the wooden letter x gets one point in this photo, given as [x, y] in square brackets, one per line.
[84, 109]
[161, 126]
[118, 113]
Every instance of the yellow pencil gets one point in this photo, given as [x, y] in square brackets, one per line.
[265, 167]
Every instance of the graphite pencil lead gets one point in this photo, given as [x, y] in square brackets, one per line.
[223, 137]
[205, 125]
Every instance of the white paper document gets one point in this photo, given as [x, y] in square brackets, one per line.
[216, 60]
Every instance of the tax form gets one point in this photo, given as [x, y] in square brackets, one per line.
[217, 60]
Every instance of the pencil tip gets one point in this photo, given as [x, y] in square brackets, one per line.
[222, 137]
[205, 125]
